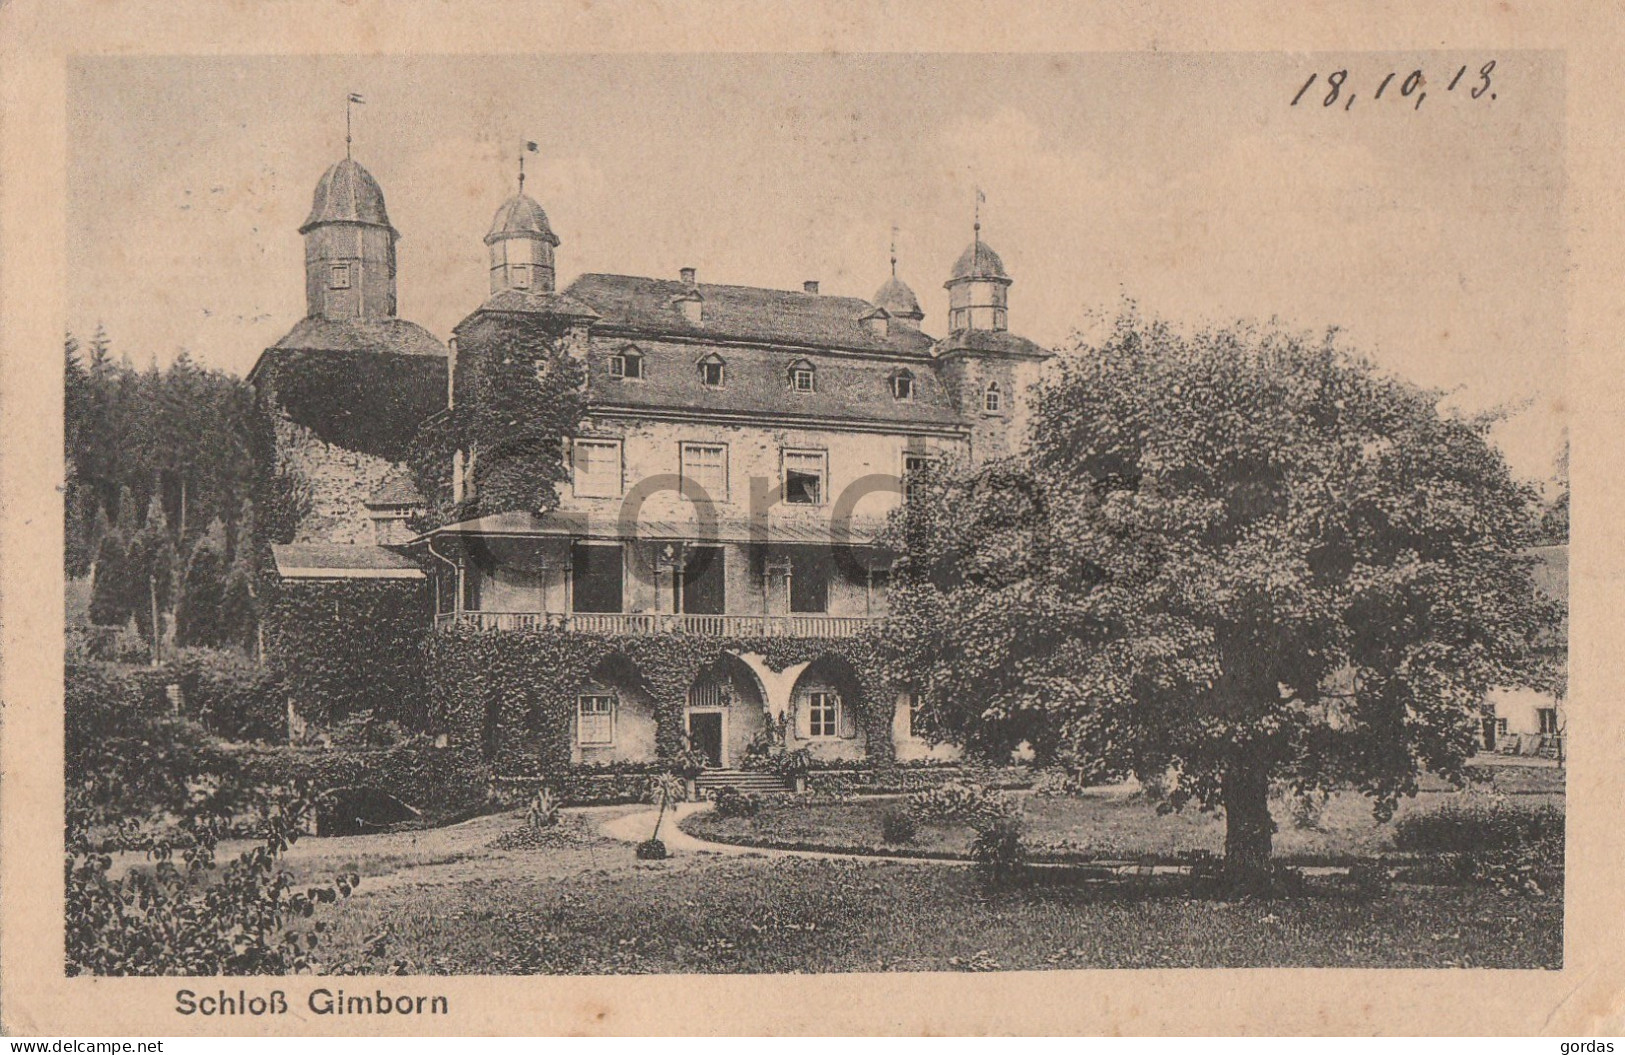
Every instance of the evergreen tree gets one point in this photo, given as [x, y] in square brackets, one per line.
[110, 583]
[152, 566]
[199, 610]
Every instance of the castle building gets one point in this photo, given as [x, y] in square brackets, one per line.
[741, 449]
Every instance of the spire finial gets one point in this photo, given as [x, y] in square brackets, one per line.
[352, 100]
[893, 250]
[976, 231]
[530, 148]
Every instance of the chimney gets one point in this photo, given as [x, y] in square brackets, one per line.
[810, 286]
[687, 275]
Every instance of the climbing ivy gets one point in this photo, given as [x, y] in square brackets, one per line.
[513, 692]
[348, 646]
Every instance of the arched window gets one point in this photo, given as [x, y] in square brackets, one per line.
[902, 386]
[627, 364]
[712, 371]
[802, 376]
[993, 398]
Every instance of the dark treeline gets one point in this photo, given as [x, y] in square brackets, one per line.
[159, 510]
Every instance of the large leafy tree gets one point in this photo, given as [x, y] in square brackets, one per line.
[1237, 557]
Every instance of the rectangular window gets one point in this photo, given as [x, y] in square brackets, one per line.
[803, 380]
[706, 464]
[711, 375]
[626, 367]
[596, 572]
[338, 277]
[597, 468]
[804, 477]
[823, 710]
[1500, 726]
[913, 466]
[1548, 720]
[595, 721]
[910, 704]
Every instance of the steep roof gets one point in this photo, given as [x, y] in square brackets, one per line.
[741, 313]
[756, 381]
[347, 193]
[521, 215]
[997, 342]
[396, 489]
[397, 336]
[526, 302]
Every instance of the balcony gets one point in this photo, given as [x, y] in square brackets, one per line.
[617, 623]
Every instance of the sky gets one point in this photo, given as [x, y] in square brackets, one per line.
[1431, 234]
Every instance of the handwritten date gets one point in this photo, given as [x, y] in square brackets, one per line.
[1336, 90]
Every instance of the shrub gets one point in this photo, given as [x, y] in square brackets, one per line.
[731, 802]
[960, 802]
[232, 696]
[898, 826]
[792, 764]
[997, 847]
[1478, 828]
[651, 850]
[689, 763]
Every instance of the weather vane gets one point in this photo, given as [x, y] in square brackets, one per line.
[352, 100]
[531, 148]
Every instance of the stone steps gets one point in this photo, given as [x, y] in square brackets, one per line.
[743, 779]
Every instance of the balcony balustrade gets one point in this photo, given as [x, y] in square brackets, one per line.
[633, 623]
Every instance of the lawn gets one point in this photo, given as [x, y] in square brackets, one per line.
[1111, 826]
[711, 914]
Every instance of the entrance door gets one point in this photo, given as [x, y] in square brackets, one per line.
[705, 734]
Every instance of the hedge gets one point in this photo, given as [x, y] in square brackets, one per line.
[346, 646]
[511, 692]
[442, 784]
[896, 779]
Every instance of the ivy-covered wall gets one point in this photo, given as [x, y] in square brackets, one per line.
[513, 692]
[343, 646]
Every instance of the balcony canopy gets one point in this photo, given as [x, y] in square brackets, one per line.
[798, 531]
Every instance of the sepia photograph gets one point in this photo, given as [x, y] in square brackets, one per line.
[745, 514]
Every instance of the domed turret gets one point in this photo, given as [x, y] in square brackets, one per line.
[522, 244]
[899, 301]
[978, 290]
[349, 247]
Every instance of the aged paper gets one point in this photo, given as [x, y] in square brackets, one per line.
[769, 244]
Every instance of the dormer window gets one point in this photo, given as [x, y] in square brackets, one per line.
[712, 371]
[902, 386]
[993, 399]
[338, 276]
[627, 364]
[801, 376]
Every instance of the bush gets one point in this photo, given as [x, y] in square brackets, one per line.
[898, 826]
[960, 802]
[232, 696]
[731, 802]
[1478, 828]
[997, 847]
[1516, 851]
[651, 850]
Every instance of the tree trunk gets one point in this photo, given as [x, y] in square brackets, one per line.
[1247, 823]
[152, 592]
